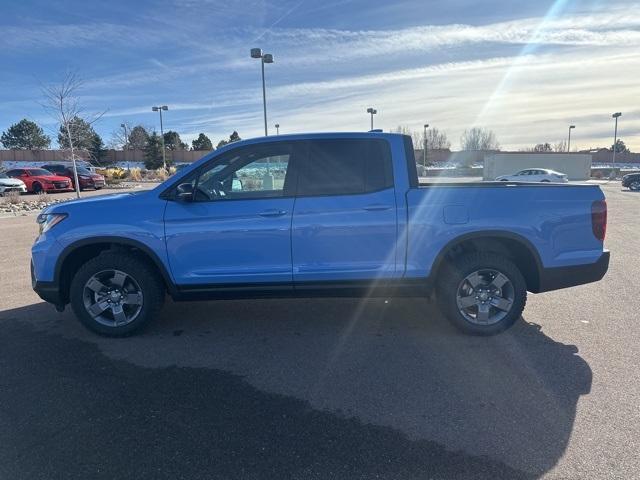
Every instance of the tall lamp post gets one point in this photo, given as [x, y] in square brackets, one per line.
[372, 111]
[277, 125]
[615, 140]
[264, 58]
[160, 109]
[571, 127]
[424, 146]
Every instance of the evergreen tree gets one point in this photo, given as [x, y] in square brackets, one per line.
[153, 152]
[202, 143]
[138, 138]
[25, 135]
[82, 134]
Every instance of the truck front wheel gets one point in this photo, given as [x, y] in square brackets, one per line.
[115, 294]
[481, 293]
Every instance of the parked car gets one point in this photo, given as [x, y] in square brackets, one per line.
[40, 180]
[632, 181]
[535, 175]
[8, 184]
[86, 178]
[344, 215]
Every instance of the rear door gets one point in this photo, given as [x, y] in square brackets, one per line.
[344, 221]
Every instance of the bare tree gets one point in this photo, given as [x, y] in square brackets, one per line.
[63, 104]
[436, 140]
[477, 138]
[561, 146]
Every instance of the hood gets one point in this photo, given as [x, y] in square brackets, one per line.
[11, 182]
[98, 200]
[51, 178]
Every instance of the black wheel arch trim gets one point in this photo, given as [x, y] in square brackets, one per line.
[114, 240]
[437, 263]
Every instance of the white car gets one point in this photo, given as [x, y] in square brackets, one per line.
[535, 175]
[8, 184]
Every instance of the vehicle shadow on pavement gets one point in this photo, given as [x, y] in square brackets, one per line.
[306, 388]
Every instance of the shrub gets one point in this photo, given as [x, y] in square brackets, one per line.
[43, 197]
[135, 174]
[11, 198]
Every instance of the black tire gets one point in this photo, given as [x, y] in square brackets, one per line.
[545, 181]
[634, 186]
[450, 280]
[144, 275]
[37, 188]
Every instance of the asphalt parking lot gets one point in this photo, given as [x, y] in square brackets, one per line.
[336, 388]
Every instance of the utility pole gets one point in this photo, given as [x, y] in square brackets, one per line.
[372, 111]
[615, 141]
[424, 146]
[264, 58]
[571, 127]
[160, 109]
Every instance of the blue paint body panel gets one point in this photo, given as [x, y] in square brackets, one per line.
[394, 233]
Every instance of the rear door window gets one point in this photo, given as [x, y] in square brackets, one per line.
[345, 167]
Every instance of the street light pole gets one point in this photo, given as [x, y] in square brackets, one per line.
[615, 139]
[569, 142]
[372, 111]
[424, 146]
[264, 58]
[277, 125]
[160, 109]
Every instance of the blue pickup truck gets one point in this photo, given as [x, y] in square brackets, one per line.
[340, 214]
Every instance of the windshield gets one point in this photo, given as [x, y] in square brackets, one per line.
[39, 172]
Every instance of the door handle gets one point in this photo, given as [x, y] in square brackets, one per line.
[272, 213]
[377, 207]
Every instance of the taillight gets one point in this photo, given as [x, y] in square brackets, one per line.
[599, 219]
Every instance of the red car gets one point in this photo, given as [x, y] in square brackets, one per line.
[86, 178]
[40, 180]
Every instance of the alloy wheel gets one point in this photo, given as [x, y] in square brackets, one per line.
[485, 297]
[113, 298]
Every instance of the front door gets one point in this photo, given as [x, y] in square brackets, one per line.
[237, 227]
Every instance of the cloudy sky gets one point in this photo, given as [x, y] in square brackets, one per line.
[523, 69]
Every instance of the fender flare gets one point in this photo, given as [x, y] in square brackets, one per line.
[437, 263]
[114, 240]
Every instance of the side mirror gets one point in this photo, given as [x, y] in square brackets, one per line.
[184, 192]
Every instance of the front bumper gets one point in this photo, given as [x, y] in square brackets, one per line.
[563, 277]
[58, 188]
[12, 188]
[47, 291]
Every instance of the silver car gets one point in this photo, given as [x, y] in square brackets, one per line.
[8, 184]
[535, 175]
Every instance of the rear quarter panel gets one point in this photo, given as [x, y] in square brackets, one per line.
[554, 219]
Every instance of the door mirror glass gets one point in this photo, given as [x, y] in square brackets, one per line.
[184, 192]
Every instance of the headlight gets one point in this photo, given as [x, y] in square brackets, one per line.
[46, 221]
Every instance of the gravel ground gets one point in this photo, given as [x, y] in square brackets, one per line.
[30, 203]
[336, 388]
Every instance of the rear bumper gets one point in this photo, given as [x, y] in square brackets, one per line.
[563, 277]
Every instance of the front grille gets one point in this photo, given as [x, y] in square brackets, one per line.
[60, 184]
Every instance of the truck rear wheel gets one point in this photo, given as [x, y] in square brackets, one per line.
[115, 294]
[481, 293]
